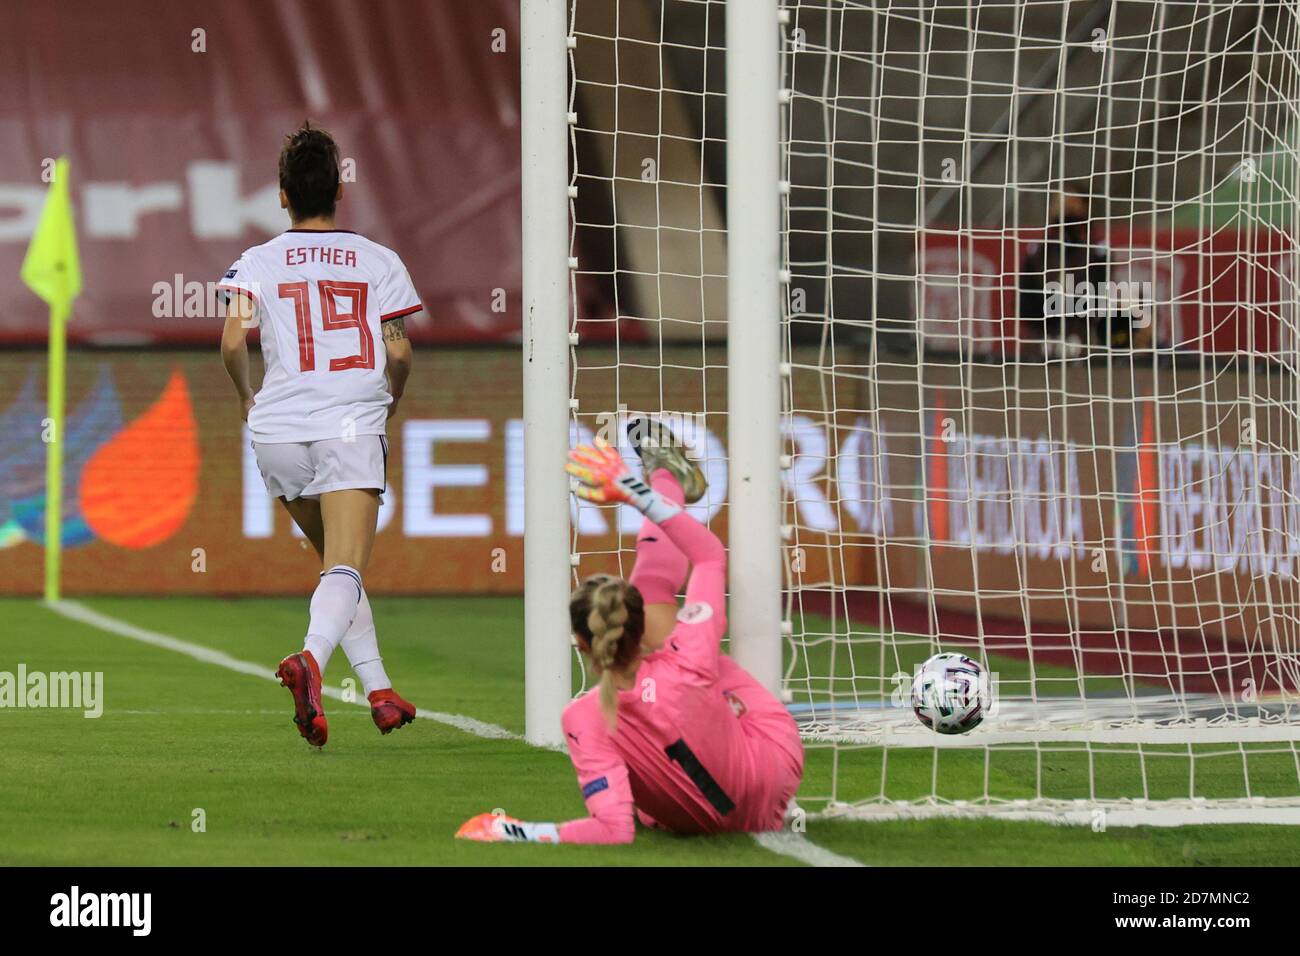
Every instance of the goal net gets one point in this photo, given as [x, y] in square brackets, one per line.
[1039, 379]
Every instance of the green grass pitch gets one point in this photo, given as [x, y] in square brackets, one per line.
[179, 735]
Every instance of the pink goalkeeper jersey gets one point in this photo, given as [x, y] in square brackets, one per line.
[700, 746]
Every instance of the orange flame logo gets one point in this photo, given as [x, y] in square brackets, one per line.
[140, 486]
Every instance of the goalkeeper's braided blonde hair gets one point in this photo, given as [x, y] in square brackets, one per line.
[608, 618]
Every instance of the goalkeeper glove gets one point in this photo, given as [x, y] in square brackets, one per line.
[602, 476]
[499, 828]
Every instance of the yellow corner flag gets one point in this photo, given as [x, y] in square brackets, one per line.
[52, 269]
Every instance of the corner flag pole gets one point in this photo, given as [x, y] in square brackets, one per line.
[52, 269]
[54, 451]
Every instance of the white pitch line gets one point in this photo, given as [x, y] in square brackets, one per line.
[79, 612]
[799, 847]
[793, 845]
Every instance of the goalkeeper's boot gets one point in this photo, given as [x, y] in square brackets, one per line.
[299, 673]
[389, 711]
[658, 447]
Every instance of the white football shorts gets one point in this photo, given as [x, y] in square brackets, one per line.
[308, 469]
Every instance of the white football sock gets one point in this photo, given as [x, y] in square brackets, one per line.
[334, 605]
[361, 645]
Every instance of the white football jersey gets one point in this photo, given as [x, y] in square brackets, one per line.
[320, 299]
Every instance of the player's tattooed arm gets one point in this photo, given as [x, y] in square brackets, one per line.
[398, 347]
[394, 329]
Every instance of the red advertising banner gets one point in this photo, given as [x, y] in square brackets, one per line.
[173, 114]
[1150, 511]
[1145, 523]
[1217, 291]
[162, 494]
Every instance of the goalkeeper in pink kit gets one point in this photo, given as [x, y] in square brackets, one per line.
[676, 732]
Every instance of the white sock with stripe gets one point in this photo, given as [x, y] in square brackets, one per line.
[334, 606]
[361, 645]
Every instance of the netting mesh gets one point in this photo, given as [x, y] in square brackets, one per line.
[648, 244]
[1046, 252]
[1041, 404]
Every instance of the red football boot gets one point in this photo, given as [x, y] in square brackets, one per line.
[299, 673]
[389, 711]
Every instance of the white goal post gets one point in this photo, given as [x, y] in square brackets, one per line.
[753, 332]
[544, 161]
[1007, 364]
[553, 333]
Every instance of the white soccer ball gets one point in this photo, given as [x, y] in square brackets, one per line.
[948, 693]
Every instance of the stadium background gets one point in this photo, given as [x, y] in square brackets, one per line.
[173, 175]
[173, 116]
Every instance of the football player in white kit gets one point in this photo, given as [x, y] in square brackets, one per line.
[331, 307]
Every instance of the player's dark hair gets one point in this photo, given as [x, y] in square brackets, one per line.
[309, 171]
[608, 618]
